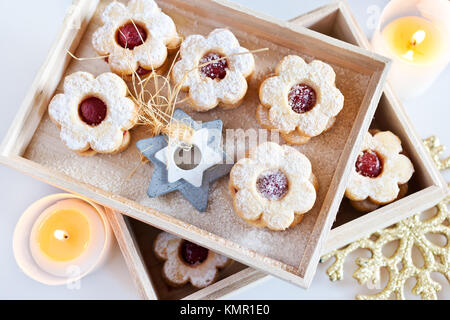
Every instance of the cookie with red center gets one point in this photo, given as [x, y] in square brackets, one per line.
[214, 66]
[131, 35]
[135, 37]
[192, 253]
[369, 164]
[300, 101]
[272, 184]
[187, 262]
[94, 113]
[213, 70]
[302, 98]
[381, 172]
[273, 187]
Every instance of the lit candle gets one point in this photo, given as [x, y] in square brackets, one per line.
[67, 238]
[413, 39]
[419, 45]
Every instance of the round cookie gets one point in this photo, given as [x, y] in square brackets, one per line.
[273, 187]
[300, 100]
[135, 38]
[380, 173]
[213, 70]
[94, 114]
[187, 262]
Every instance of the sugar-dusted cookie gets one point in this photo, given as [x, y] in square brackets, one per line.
[187, 262]
[273, 187]
[94, 114]
[300, 100]
[135, 37]
[222, 81]
[380, 174]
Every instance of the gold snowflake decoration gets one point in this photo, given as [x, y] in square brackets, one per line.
[435, 149]
[410, 232]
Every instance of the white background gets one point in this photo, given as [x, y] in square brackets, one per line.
[28, 29]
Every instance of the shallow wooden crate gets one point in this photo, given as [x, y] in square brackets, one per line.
[32, 144]
[427, 185]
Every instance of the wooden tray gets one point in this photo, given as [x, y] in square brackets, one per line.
[427, 185]
[32, 145]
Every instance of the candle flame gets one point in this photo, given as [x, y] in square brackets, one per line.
[61, 235]
[418, 37]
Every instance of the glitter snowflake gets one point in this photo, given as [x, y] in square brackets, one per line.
[409, 232]
[435, 149]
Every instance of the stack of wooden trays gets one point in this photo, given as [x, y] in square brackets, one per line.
[33, 146]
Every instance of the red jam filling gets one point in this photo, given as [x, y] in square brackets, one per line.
[273, 185]
[369, 164]
[92, 111]
[142, 72]
[193, 254]
[131, 35]
[216, 69]
[302, 98]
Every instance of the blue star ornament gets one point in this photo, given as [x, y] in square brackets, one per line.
[194, 183]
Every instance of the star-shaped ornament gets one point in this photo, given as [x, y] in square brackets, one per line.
[192, 181]
[208, 158]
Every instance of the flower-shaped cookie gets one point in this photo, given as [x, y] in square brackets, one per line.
[379, 169]
[94, 114]
[273, 187]
[301, 100]
[135, 37]
[187, 262]
[222, 81]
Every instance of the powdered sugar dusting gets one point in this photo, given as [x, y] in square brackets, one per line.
[396, 169]
[286, 114]
[272, 184]
[152, 53]
[108, 135]
[207, 89]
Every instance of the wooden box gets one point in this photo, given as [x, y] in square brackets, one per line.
[428, 187]
[32, 144]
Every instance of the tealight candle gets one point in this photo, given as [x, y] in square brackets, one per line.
[68, 233]
[67, 238]
[415, 35]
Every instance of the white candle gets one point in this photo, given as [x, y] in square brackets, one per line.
[415, 34]
[61, 238]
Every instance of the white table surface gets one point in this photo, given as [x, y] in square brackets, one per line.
[28, 30]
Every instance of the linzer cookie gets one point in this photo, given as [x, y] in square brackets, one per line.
[213, 70]
[301, 100]
[380, 174]
[135, 38]
[273, 187]
[94, 114]
[187, 262]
